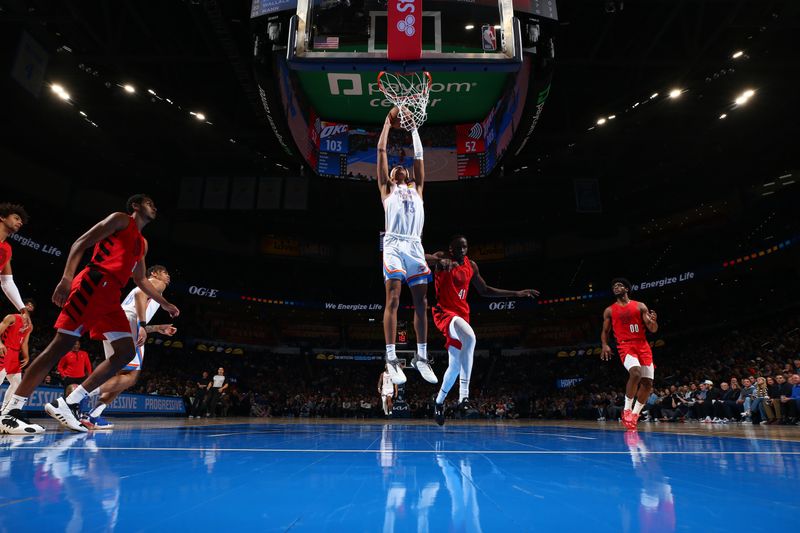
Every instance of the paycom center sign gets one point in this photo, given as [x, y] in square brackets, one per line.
[354, 97]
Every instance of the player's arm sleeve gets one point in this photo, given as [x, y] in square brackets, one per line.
[11, 291]
[419, 164]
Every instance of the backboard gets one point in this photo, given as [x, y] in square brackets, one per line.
[449, 35]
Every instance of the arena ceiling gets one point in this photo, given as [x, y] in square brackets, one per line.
[195, 56]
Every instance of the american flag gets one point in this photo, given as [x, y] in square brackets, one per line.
[331, 43]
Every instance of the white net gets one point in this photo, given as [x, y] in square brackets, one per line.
[409, 92]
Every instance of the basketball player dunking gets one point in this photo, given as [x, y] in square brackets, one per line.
[403, 256]
[90, 303]
[455, 272]
[628, 319]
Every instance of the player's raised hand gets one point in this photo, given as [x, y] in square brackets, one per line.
[605, 354]
[62, 292]
[171, 309]
[651, 316]
[528, 293]
[445, 264]
[393, 117]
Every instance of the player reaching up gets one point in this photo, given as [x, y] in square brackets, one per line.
[403, 256]
[455, 272]
[629, 319]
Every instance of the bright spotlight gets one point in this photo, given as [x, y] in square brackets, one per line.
[199, 116]
[469, 27]
[129, 88]
[675, 93]
[601, 121]
[654, 95]
[722, 116]
[60, 91]
[612, 117]
[737, 54]
[744, 97]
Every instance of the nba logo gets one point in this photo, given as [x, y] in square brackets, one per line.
[488, 38]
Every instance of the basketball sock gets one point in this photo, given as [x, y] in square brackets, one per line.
[637, 408]
[422, 350]
[390, 355]
[95, 393]
[77, 395]
[14, 380]
[98, 410]
[16, 402]
[450, 375]
[628, 403]
[2, 375]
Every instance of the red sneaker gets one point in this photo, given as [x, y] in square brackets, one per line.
[632, 421]
[626, 416]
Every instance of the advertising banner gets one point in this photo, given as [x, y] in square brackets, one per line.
[125, 403]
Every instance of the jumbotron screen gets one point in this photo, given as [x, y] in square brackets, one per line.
[333, 139]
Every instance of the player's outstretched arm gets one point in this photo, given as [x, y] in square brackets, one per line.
[605, 355]
[383, 158]
[493, 292]
[419, 164]
[649, 317]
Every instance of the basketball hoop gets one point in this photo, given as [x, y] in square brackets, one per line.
[409, 93]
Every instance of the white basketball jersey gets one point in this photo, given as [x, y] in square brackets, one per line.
[129, 305]
[387, 382]
[405, 213]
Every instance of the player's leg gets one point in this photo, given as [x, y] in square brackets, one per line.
[632, 365]
[13, 383]
[448, 379]
[419, 294]
[393, 287]
[384, 405]
[13, 421]
[466, 336]
[124, 380]
[389, 403]
[39, 368]
[67, 410]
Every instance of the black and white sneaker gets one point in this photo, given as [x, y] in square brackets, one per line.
[68, 415]
[15, 423]
[465, 406]
[438, 413]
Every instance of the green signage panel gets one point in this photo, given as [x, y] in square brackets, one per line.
[354, 97]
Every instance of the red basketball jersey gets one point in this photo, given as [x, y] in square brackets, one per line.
[118, 254]
[5, 254]
[627, 322]
[13, 336]
[452, 288]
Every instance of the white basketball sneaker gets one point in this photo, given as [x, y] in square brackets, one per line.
[425, 370]
[69, 417]
[395, 372]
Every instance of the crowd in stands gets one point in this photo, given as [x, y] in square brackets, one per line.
[747, 375]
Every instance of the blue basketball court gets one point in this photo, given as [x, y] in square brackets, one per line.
[284, 476]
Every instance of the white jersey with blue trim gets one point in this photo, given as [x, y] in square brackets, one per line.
[405, 212]
[129, 305]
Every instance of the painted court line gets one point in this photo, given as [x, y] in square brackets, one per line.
[474, 452]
